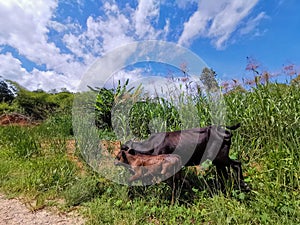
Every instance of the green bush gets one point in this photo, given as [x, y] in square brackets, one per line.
[83, 190]
[36, 104]
[6, 107]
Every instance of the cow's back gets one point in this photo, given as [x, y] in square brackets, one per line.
[188, 144]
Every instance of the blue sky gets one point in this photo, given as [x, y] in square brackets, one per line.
[51, 43]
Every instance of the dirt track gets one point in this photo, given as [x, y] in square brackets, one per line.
[13, 212]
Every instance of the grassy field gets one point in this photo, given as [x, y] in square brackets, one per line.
[41, 164]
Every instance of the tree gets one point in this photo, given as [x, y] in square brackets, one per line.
[208, 78]
[6, 92]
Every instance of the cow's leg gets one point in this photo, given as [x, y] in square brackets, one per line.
[164, 168]
[173, 189]
[237, 167]
[153, 170]
[222, 176]
[149, 173]
[171, 182]
[168, 170]
[137, 175]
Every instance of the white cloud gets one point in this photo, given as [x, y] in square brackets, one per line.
[123, 75]
[26, 26]
[166, 29]
[11, 69]
[193, 28]
[184, 3]
[23, 26]
[252, 24]
[59, 27]
[114, 31]
[103, 33]
[116, 28]
[146, 12]
[216, 20]
[62, 27]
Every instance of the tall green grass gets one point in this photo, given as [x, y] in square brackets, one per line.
[35, 163]
[268, 146]
[270, 130]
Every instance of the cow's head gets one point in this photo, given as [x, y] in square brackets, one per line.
[221, 132]
[122, 157]
[124, 147]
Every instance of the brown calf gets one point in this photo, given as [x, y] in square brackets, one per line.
[157, 166]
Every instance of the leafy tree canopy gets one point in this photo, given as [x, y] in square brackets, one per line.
[6, 92]
[208, 78]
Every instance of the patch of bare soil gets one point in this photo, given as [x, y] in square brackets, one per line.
[71, 148]
[13, 212]
[110, 148]
[15, 119]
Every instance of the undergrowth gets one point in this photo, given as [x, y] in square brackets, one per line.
[36, 164]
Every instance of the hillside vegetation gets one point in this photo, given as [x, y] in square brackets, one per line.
[42, 164]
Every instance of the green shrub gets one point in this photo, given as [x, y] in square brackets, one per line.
[6, 107]
[83, 190]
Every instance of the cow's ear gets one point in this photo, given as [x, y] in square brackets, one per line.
[123, 155]
[124, 147]
[131, 152]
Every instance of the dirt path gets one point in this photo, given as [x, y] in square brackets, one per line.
[13, 212]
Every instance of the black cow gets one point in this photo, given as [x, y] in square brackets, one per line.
[194, 146]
